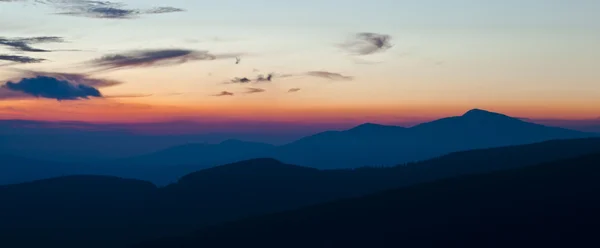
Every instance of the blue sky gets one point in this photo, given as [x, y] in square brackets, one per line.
[501, 55]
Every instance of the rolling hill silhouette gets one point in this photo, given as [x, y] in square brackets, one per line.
[365, 145]
[384, 145]
[80, 142]
[100, 211]
[550, 205]
[72, 210]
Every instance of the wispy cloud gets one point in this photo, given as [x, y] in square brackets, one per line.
[157, 57]
[270, 77]
[104, 9]
[52, 88]
[24, 44]
[243, 80]
[20, 59]
[254, 90]
[98, 9]
[163, 10]
[368, 43]
[329, 75]
[225, 93]
[293, 90]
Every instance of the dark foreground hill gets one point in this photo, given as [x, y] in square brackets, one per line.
[95, 211]
[551, 205]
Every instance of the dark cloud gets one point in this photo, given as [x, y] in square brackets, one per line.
[368, 43]
[20, 59]
[98, 9]
[294, 90]
[262, 78]
[255, 90]
[72, 78]
[24, 44]
[52, 88]
[258, 79]
[149, 58]
[329, 75]
[241, 80]
[224, 93]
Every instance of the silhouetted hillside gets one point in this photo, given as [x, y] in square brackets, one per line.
[365, 145]
[81, 142]
[265, 185]
[551, 205]
[384, 145]
[375, 145]
[69, 211]
[227, 193]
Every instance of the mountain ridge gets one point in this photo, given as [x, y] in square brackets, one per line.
[521, 207]
[132, 210]
[367, 144]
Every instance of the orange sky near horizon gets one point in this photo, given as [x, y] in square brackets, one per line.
[134, 111]
[528, 59]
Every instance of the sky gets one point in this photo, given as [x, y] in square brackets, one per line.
[385, 61]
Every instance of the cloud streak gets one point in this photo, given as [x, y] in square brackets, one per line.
[368, 43]
[240, 80]
[152, 58]
[225, 93]
[329, 75]
[99, 9]
[163, 10]
[254, 90]
[24, 44]
[52, 88]
[20, 59]
[293, 90]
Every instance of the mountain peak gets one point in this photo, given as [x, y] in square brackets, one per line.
[372, 126]
[481, 113]
[369, 125]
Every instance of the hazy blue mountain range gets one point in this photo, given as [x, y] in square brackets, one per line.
[106, 211]
[82, 142]
[364, 145]
[371, 144]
